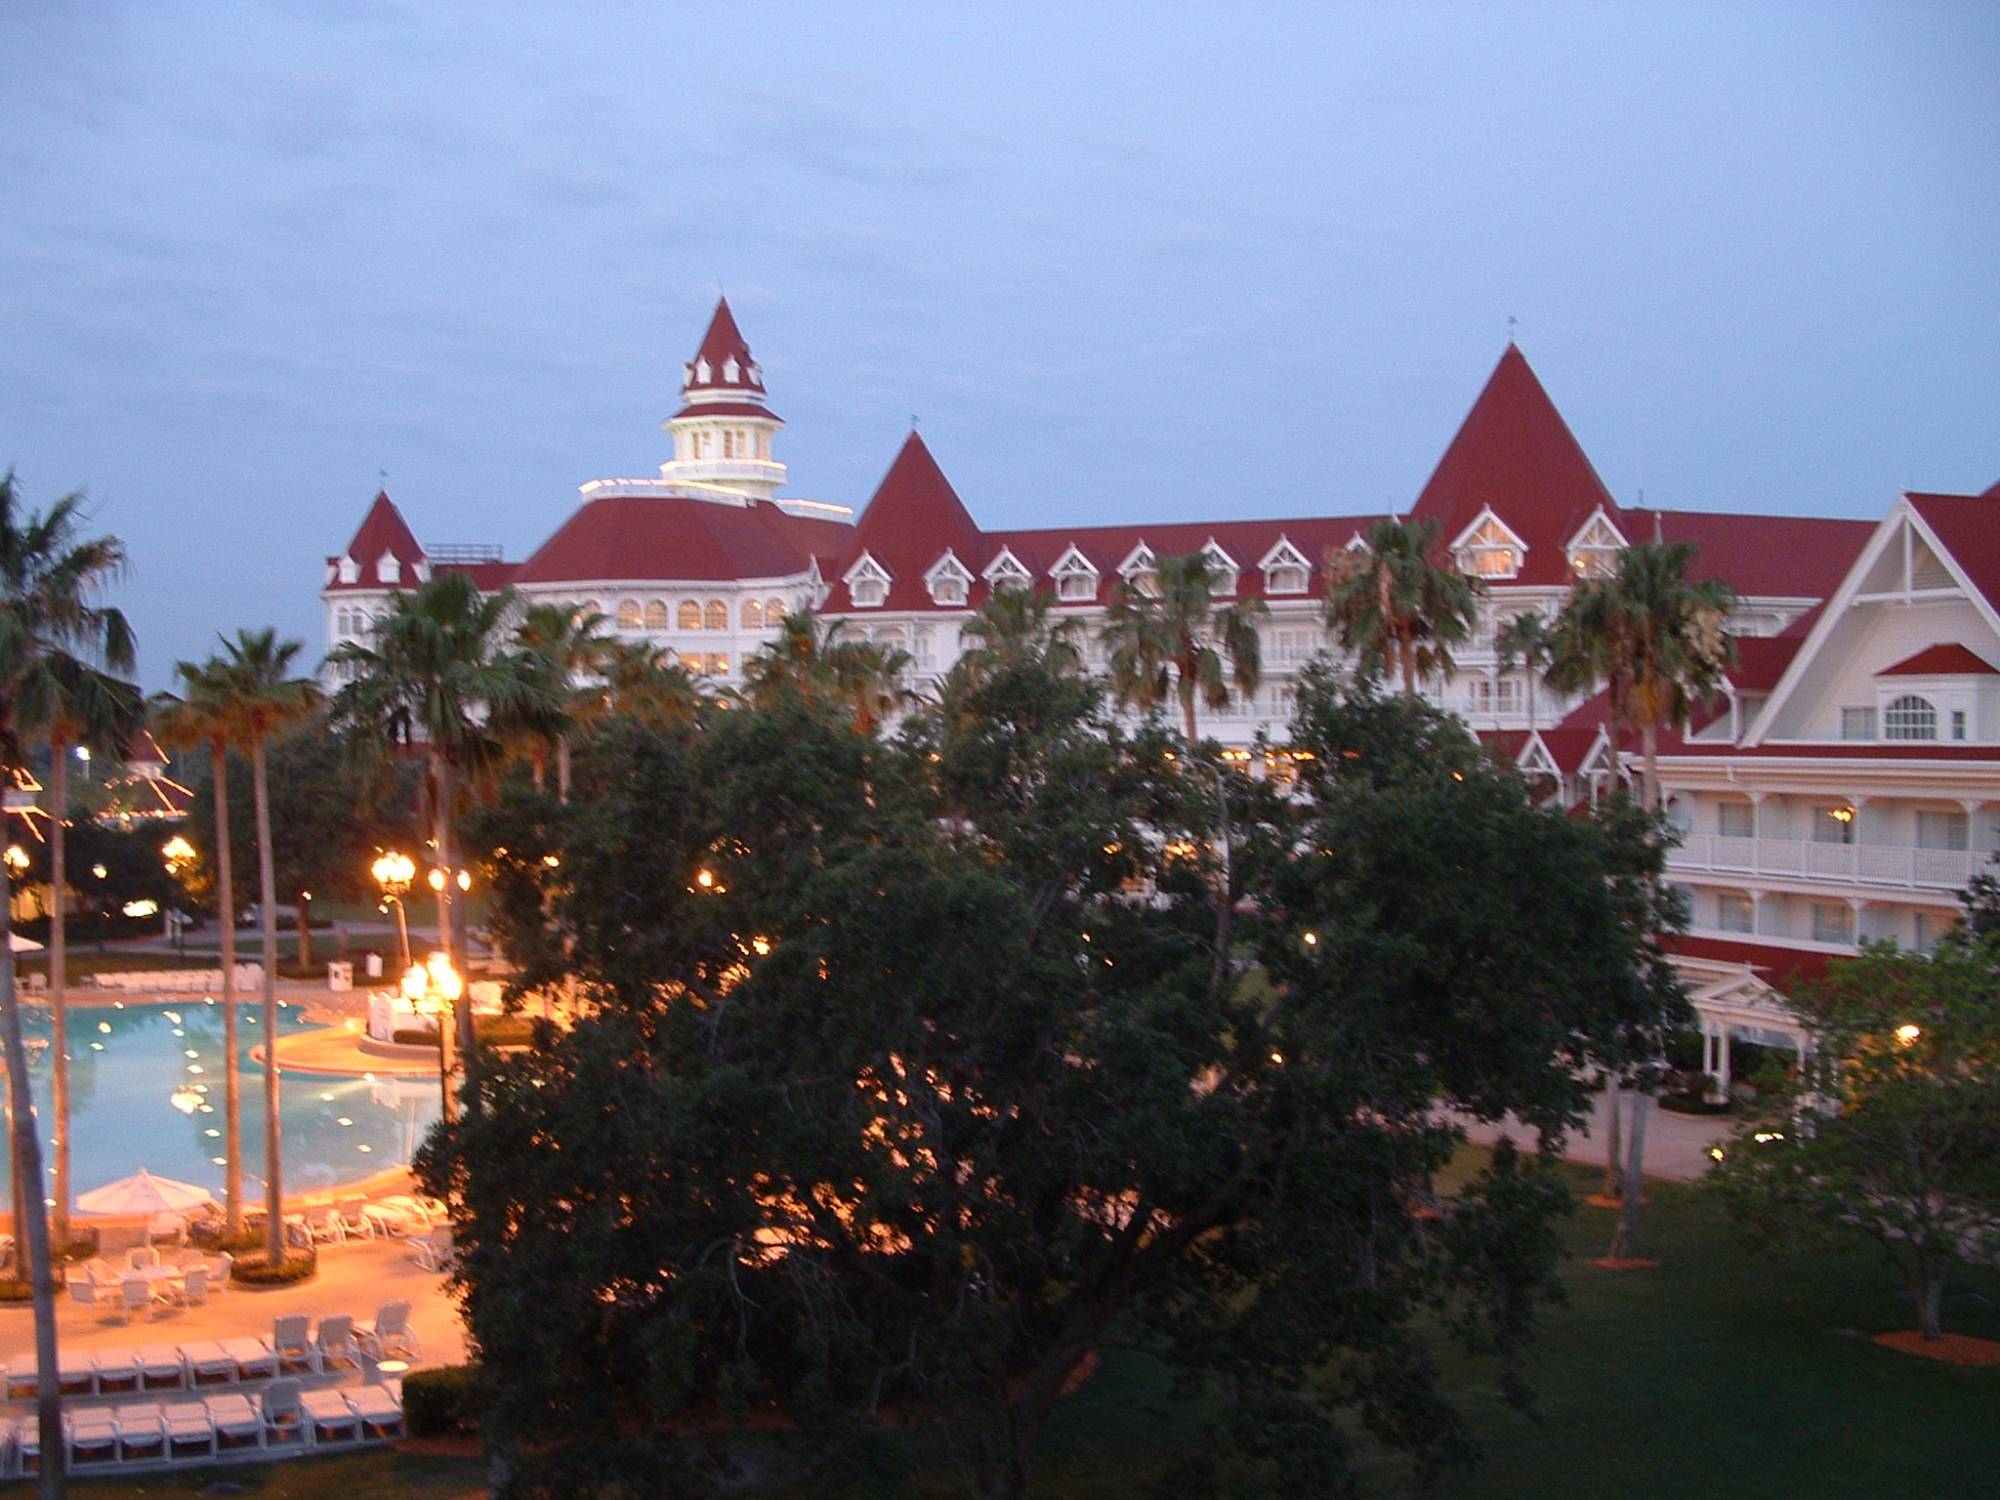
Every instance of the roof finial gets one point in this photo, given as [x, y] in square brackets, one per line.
[913, 421]
[382, 479]
[1657, 538]
[1513, 324]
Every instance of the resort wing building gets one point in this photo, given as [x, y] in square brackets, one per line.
[1842, 788]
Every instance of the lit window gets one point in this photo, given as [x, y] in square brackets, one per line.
[718, 665]
[948, 588]
[1492, 551]
[763, 445]
[688, 616]
[1857, 723]
[1735, 912]
[1909, 718]
[729, 442]
[869, 592]
[774, 611]
[716, 617]
[1832, 922]
[1736, 820]
[1078, 586]
[753, 615]
[1833, 825]
[656, 614]
[1943, 830]
[1285, 580]
[630, 616]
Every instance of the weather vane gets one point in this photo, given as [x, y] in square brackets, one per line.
[1513, 324]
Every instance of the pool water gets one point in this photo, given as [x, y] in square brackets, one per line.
[145, 1087]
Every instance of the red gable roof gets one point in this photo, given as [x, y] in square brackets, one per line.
[1941, 661]
[1568, 746]
[383, 529]
[1761, 660]
[1515, 453]
[721, 344]
[667, 538]
[1772, 557]
[1969, 527]
[913, 516]
[1772, 962]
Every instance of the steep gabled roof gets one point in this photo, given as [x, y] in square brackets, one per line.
[1762, 557]
[1969, 527]
[722, 344]
[1761, 660]
[382, 530]
[1951, 660]
[1515, 454]
[912, 518]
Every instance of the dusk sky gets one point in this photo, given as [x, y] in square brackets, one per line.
[1126, 262]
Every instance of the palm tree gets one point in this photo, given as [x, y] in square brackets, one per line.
[1652, 638]
[868, 677]
[1178, 642]
[263, 702]
[50, 578]
[573, 645]
[1019, 627]
[865, 677]
[1525, 641]
[433, 675]
[1394, 606]
[1656, 642]
[789, 663]
[648, 683]
[100, 712]
[204, 718]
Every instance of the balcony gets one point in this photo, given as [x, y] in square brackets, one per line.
[1804, 859]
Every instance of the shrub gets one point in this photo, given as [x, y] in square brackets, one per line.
[413, 1038]
[82, 1245]
[208, 1234]
[256, 1268]
[1695, 1103]
[14, 1290]
[504, 1031]
[443, 1402]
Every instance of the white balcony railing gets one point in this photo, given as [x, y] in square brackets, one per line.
[1861, 864]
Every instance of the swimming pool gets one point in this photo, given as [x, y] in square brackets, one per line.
[146, 1086]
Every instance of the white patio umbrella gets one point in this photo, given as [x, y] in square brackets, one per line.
[22, 944]
[143, 1193]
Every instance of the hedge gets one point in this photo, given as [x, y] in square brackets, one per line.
[443, 1402]
[255, 1269]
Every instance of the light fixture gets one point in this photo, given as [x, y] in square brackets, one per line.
[1907, 1033]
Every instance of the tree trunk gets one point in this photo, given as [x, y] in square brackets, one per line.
[232, 1066]
[58, 975]
[1626, 1235]
[1614, 1166]
[305, 931]
[1649, 786]
[1930, 1298]
[1408, 652]
[1187, 718]
[447, 901]
[31, 1230]
[562, 771]
[267, 922]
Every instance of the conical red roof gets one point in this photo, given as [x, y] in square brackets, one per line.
[723, 361]
[913, 517]
[1515, 453]
[383, 529]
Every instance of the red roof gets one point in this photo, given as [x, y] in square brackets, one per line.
[1969, 527]
[487, 577]
[1772, 557]
[1941, 661]
[1773, 962]
[726, 355]
[728, 409]
[383, 529]
[1761, 660]
[911, 519]
[662, 538]
[1515, 453]
[1567, 747]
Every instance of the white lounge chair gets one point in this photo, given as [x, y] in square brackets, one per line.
[161, 1368]
[335, 1346]
[209, 1363]
[102, 1272]
[380, 1412]
[283, 1414]
[434, 1251]
[28, 1448]
[351, 1214]
[76, 1373]
[83, 1292]
[91, 1437]
[389, 1335]
[323, 1226]
[22, 1377]
[255, 1359]
[238, 1424]
[142, 1431]
[291, 1341]
[330, 1417]
[139, 1257]
[117, 1371]
[190, 1432]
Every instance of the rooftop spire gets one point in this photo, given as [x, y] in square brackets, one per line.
[723, 361]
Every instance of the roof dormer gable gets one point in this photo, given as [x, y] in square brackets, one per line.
[1593, 551]
[1007, 571]
[348, 570]
[388, 569]
[948, 580]
[1283, 557]
[1222, 568]
[1489, 547]
[1076, 576]
[867, 582]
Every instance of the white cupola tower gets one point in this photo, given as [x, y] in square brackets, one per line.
[722, 433]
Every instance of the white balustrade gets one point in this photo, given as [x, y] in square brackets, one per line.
[1868, 864]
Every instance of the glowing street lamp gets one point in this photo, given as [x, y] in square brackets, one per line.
[1907, 1033]
[394, 872]
[17, 859]
[432, 988]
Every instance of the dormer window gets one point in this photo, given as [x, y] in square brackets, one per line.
[1488, 549]
[1075, 577]
[867, 583]
[1285, 569]
[1909, 718]
[1593, 551]
[1008, 572]
[1222, 570]
[948, 580]
[388, 569]
[1142, 571]
[349, 570]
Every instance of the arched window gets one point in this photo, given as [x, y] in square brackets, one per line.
[774, 611]
[1909, 718]
[717, 615]
[689, 615]
[753, 614]
[656, 614]
[629, 614]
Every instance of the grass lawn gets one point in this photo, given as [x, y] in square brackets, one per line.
[1718, 1373]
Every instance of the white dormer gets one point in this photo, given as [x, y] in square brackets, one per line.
[701, 372]
[1007, 571]
[1285, 569]
[729, 370]
[1489, 548]
[1076, 577]
[388, 569]
[1141, 570]
[1593, 551]
[349, 570]
[948, 579]
[1222, 568]
[423, 570]
[867, 582]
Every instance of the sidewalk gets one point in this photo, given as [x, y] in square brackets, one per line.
[1676, 1145]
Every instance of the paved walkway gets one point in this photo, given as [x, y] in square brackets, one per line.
[1676, 1145]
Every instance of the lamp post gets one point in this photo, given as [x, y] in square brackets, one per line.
[432, 988]
[179, 854]
[394, 872]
